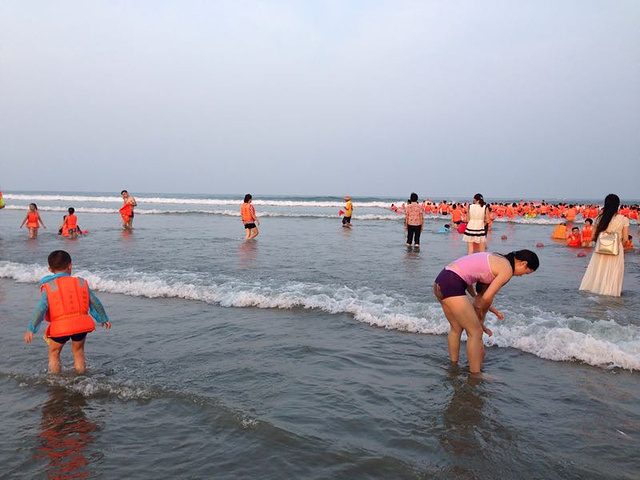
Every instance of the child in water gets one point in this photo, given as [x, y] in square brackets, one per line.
[445, 229]
[33, 221]
[69, 227]
[70, 307]
[587, 233]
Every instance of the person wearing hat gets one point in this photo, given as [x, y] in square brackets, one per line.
[348, 210]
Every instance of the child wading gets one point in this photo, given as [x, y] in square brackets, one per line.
[70, 307]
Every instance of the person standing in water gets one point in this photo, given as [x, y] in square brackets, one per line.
[249, 218]
[33, 221]
[348, 211]
[605, 272]
[71, 309]
[475, 235]
[126, 211]
[457, 278]
[413, 220]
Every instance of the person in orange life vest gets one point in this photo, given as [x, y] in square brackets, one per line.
[249, 218]
[628, 243]
[126, 211]
[571, 213]
[70, 225]
[587, 233]
[70, 307]
[456, 215]
[33, 221]
[560, 232]
[574, 240]
[63, 230]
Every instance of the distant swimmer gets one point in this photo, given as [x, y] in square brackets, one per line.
[33, 221]
[348, 211]
[249, 218]
[126, 211]
[70, 307]
[457, 278]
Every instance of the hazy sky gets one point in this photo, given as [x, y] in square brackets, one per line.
[526, 98]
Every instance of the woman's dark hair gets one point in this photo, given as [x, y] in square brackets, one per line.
[533, 262]
[413, 197]
[479, 198]
[247, 197]
[34, 206]
[611, 205]
[71, 210]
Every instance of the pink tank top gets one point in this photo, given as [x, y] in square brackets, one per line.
[473, 268]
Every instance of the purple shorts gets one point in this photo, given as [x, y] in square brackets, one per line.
[451, 284]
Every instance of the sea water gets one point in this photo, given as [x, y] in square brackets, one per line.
[314, 351]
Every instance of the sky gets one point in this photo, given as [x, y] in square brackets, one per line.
[528, 98]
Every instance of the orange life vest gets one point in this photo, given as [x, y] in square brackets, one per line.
[71, 222]
[456, 215]
[126, 210]
[246, 213]
[68, 311]
[574, 241]
[587, 233]
[32, 219]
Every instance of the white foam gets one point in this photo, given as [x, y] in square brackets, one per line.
[547, 335]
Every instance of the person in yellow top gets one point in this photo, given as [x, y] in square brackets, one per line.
[348, 210]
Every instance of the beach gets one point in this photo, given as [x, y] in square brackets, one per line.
[312, 352]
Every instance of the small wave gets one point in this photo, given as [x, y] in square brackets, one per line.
[226, 213]
[547, 335]
[192, 201]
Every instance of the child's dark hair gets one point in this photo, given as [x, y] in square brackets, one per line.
[533, 262]
[34, 206]
[247, 197]
[413, 197]
[59, 260]
[71, 210]
[123, 191]
[589, 221]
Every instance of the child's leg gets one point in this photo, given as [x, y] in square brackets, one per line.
[78, 356]
[54, 356]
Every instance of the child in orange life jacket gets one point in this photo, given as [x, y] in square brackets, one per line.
[587, 233]
[574, 240]
[69, 227]
[33, 221]
[70, 307]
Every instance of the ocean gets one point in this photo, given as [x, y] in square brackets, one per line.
[313, 352]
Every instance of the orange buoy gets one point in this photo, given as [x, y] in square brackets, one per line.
[581, 254]
[539, 244]
[503, 238]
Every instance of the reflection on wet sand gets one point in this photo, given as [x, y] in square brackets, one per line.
[65, 435]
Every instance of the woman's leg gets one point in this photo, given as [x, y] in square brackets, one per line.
[461, 315]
